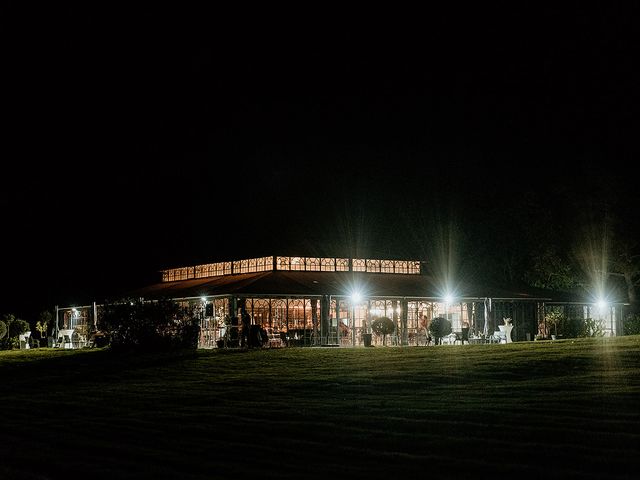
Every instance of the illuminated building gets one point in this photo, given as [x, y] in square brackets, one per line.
[313, 301]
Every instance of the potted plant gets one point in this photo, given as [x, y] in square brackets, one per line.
[383, 326]
[438, 328]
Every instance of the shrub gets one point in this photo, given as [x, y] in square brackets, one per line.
[157, 325]
[101, 339]
[593, 328]
[439, 327]
[18, 327]
[573, 327]
[631, 324]
[14, 327]
[554, 319]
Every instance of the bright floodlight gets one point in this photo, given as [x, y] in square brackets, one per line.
[204, 299]
[602, 304]
[356, 297]
[448, 298]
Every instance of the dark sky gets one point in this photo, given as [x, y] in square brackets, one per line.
[140, 140]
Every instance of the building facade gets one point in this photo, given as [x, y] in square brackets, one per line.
[314, 301]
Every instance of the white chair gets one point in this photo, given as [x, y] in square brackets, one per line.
[274, 339]
[24, 340]
[64, 338]
[449, 339]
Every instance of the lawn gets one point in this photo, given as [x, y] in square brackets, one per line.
[563, 409]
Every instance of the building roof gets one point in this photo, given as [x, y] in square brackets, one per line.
[300, 283]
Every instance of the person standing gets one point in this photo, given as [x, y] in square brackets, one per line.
[246, 325]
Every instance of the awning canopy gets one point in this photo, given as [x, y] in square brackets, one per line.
[293, 283]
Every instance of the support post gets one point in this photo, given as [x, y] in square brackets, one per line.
[404, 320]
[55, 326]
[325, 304]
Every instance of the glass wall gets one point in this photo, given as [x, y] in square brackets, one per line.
[604, 318]
[296, 320]
[214, 323]
[75, 325]
[419, 317]
[580, 320]
[307, 264]
[340, 326]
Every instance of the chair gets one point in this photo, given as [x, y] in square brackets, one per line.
[498, 337]
[274, 340]
[24, 340]
[449, 339]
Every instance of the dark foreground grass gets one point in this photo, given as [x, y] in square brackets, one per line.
[565, 409]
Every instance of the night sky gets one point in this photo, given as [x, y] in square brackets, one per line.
[142, 140]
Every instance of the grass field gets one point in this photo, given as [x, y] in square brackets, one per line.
[564, 409]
